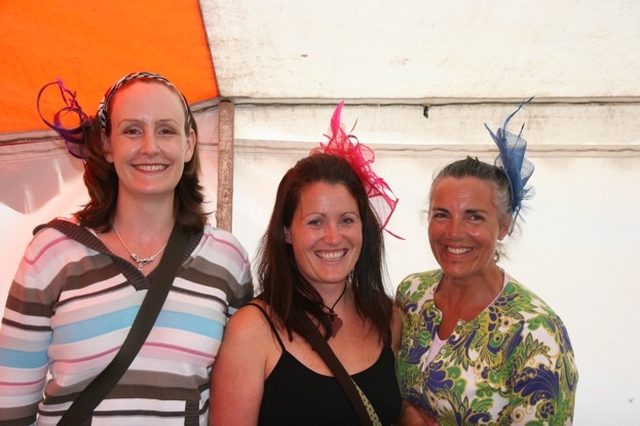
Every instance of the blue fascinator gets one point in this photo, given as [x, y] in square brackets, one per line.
[512, 162]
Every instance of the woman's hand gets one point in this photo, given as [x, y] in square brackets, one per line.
[415, 416]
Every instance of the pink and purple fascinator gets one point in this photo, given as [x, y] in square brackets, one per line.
[360, 157]
[74, 136]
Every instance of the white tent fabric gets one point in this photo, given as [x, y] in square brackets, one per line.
[417, 49]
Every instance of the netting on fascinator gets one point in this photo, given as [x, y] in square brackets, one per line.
[512, 161]
[74, 136]
[360, 157]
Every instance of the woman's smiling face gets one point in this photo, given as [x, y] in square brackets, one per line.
[148, 145]
[464, 227]
[326, 233]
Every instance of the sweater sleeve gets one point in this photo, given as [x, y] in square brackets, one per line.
[242, 284]
[25, 335]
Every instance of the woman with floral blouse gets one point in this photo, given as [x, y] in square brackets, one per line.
[478, 347]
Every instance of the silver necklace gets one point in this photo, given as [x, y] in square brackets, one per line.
[141, 261]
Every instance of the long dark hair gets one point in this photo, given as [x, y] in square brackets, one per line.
[101, 181]
[280, 283]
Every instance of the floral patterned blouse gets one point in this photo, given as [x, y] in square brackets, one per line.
[511, 365]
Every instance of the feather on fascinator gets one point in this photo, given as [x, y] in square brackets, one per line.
[360, 157]
[75, 137]
[512, 162]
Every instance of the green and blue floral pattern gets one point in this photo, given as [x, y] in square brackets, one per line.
[511, 365]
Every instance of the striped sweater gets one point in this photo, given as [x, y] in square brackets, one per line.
[70, 308]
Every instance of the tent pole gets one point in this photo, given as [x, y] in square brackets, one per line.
[224, 210]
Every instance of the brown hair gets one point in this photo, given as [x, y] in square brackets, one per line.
[280, 283]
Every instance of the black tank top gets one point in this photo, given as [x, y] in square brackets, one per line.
[295, 395]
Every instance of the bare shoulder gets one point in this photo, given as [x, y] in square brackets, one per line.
[246, 340]
[248, 321]
[239, 371]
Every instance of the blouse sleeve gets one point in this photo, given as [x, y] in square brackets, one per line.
[544, 375]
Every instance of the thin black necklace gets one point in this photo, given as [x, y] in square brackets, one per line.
[336, 321]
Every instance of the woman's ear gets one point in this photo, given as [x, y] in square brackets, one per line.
[191, 146]
[287, 235]
[106, 146]
[504, 228]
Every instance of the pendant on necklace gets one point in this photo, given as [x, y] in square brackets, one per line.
[336, 322]
[141, 261]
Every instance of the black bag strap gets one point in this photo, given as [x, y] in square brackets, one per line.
[163, 277]
[320, 345]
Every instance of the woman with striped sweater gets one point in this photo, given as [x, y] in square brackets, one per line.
[72, 304]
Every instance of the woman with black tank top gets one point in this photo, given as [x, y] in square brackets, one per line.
[321, 258]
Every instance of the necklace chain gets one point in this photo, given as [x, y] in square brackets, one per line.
[141, 261]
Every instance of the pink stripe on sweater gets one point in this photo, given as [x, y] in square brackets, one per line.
[44, 249]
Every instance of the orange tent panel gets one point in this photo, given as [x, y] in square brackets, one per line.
[89, 45]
